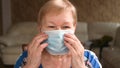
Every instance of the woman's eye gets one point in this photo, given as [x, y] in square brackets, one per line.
[51, 26]
[66, 26]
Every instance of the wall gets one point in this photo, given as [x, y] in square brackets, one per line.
[25, 10]
[0, 18]
[88, 10]
[6, 15]
[99, 10]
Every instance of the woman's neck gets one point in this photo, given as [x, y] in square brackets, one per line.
[55, 61]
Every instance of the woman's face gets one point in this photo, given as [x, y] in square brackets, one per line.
[62, 21]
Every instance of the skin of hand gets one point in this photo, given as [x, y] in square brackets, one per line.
[35, 49]
[76, 50]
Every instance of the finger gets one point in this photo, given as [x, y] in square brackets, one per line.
[75, 44]
[70, 41]
[72, 50]
[72, 36]
[42, 47]
[37, 40]
[33, 40]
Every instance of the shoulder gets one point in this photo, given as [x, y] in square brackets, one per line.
[92, 58]
[89, 54]
[21, 59]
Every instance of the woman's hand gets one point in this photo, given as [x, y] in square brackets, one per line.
[76, 50]
[35, 49]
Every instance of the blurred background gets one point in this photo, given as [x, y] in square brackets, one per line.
[16, 13]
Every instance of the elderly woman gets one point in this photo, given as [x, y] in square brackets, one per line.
[56, 45]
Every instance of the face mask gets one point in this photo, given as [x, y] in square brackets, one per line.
[56, 42]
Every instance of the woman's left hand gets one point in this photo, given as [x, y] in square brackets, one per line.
[76, 50]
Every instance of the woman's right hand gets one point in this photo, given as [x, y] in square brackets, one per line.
[35, 49]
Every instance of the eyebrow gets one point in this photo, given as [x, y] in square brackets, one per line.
[51, 22]
[64, 22]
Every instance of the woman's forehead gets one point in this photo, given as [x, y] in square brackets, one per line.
[63, 14]
[66, 16]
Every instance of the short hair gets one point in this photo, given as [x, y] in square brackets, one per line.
[56, 7]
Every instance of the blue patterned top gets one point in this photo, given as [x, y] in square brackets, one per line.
[91, 60]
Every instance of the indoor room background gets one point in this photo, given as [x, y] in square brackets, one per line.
[88, 11]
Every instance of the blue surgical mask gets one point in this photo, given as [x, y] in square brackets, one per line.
[55, 42]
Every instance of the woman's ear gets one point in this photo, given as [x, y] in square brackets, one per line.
[75, 24]
[39, 28]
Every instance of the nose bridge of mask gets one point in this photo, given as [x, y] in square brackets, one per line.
[57, 34]
[54, 32]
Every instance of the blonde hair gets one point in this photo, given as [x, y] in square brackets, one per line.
[56, 7]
